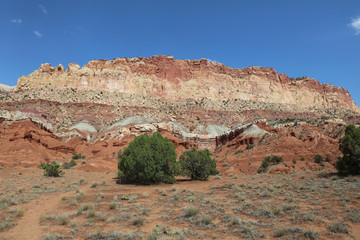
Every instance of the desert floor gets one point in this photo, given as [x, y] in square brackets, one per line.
[92, 205]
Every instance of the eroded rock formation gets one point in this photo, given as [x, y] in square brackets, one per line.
[245, 114]
[166, 78]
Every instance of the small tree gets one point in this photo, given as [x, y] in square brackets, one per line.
[52, 169]
[197, 164]
[350, 147]
[148, 160]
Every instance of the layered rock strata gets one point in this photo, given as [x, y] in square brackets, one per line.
[165, 78]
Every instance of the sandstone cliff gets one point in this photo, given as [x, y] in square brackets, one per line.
[177, 80]
[242, 114]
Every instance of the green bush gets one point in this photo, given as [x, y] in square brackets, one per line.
[78, 156]
[72, 163]
[269, 160]
[250, 146]
[350, 147]
[318, 159]
[148, 160]
[67, 165]
[51, 169]
[197, 164]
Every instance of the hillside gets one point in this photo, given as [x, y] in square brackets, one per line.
[101, 106]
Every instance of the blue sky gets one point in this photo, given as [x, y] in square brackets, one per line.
[317, 38]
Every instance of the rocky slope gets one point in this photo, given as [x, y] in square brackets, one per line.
[99, 108]
[26, 143]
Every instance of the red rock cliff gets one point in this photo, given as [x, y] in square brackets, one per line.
[164, 77]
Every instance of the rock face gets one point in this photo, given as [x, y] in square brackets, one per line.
[296, 142]
[165, 78]
[6, 88]
[25, 143]
[241, 114]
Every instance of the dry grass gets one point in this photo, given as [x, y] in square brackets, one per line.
[295, 206]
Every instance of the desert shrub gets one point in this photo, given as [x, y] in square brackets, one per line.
[355, 216]
[338, 228]
[113, 205]
[191, 211]
[281, 231]
[42, 165]
[111, 235]
[51, 169]
[53, 237]
[240, 151]
[72, 163]
[269, 160]
[197, 164]
[139, 221]
[67, 165]
[318, 158]
[350, 147]
[78, 156]
[276, 160]
[250, 146]
[206, 220]
[310, 234]
[148, 159]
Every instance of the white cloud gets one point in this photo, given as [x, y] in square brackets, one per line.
[43, 9]
[16, 20]
[38, 34]
[355, 24]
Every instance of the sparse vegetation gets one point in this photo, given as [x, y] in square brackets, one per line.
[355, 216]
[206, 220]
[139, 221]
[250, 146]
[239, 151]
[68, 165]
[77, 156]
[268, 161]
[113, 235]
[191, 211]
[318, 159]
[338, 228]
[53, 237]
[279, 206]
[113, 205]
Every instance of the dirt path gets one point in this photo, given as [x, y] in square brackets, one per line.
[29, 226]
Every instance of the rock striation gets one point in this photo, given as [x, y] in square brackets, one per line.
[166, 78]
[242, 115]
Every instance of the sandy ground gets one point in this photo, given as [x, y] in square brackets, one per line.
[91, 205]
